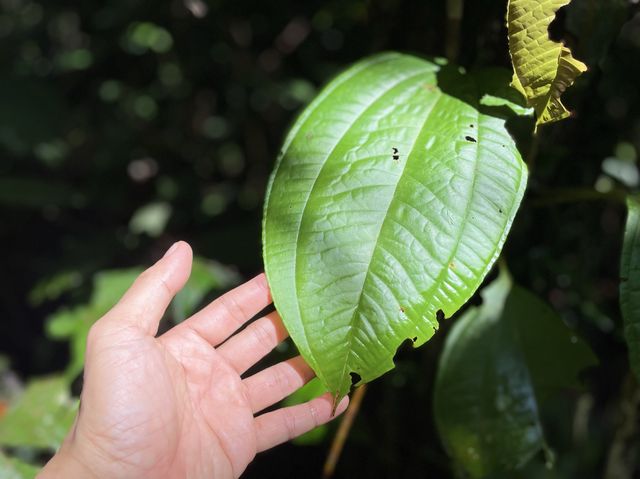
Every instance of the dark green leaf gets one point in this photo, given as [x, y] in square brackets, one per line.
[630, 283]
[499, 360]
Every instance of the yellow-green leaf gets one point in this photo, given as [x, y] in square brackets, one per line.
[542, 69]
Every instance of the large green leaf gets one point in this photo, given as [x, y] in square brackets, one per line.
[543, 69]
[390, 201]
[630, 283]
[499, 361]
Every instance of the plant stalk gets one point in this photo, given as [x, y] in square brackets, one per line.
[343, 432]
[455, 10]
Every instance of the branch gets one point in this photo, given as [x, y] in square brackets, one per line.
[343, 432]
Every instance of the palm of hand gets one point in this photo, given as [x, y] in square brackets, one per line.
[177, 405]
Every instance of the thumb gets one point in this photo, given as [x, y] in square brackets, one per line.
[144, 304]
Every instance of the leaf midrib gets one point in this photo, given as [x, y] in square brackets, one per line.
[375, 247]
[423, 70]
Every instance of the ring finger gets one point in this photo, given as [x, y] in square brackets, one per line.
[277, 382]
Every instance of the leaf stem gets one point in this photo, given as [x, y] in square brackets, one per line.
[455, 9]
[343, 432]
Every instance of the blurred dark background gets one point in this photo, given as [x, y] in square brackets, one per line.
[127, 125]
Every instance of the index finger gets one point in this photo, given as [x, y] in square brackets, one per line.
[221, 318]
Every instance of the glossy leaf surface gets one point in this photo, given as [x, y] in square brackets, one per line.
[630, 283]
[499, 361]
[390, 201]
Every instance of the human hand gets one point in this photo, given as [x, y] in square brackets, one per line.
[177, 406]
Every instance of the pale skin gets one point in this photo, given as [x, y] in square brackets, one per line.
[179, 405]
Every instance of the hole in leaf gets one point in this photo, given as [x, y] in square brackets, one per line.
[471, 139]
[557, 26]
[415, 339]
[440, 315]
[355, 378]
[405, 350]
[476, 299]
[472, 125]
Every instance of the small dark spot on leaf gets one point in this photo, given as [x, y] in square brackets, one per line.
[415, 339]
[355, 378]
[500, 210]
[624, 280]
[471, 139]
[472, 125]
[401, 309]
[440, 315]
[452, 265]
[396, 157]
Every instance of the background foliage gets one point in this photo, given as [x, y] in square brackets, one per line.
[127, 125]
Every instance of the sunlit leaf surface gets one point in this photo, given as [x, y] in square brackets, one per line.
[390, 201]
[543, 69]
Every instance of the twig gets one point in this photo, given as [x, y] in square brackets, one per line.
[455, 9]
[343, 432]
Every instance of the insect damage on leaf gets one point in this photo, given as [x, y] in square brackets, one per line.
[542, 69]
[364, 219]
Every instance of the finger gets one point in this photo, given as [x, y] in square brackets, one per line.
[147, 299]
[277, 382]
[279, 426]
[256, 341]
[221, 318]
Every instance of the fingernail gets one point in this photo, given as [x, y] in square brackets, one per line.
[171, 250]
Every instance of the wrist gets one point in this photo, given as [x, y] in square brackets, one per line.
[65, 464]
